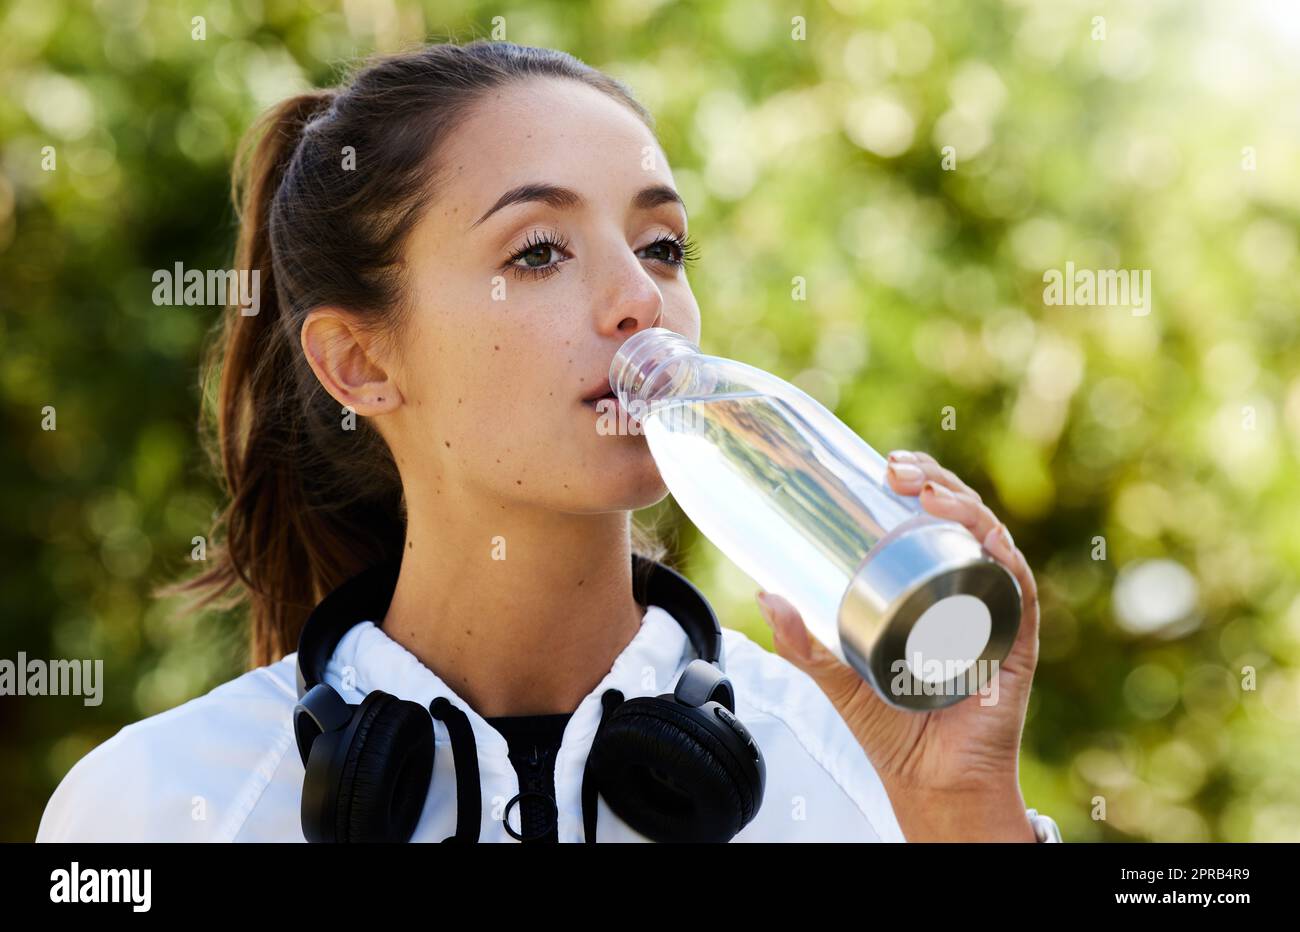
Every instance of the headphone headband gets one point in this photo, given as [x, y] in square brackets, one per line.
[367, 596]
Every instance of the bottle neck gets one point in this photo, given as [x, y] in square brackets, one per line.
[644, 364]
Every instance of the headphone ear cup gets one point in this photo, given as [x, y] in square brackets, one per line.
[664, 770]
[386, 772]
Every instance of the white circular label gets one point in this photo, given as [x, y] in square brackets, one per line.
[949, 636]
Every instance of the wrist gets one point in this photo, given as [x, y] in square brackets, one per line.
[967, 814]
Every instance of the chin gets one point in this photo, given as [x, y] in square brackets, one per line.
[625, 481]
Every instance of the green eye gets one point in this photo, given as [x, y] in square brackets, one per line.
[680, 250]
[535, 254]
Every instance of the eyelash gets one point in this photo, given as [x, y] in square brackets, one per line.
[556, 241]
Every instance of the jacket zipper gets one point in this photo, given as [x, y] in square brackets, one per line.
[537, 811]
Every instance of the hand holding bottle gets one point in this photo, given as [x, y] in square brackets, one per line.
[951, 773]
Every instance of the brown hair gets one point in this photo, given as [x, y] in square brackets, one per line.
[309, 504]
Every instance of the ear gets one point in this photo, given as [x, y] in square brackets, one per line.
[344, 356]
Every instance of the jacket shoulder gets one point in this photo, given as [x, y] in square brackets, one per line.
[192, 773]
[820, 783]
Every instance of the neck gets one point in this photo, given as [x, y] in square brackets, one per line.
[521, 614]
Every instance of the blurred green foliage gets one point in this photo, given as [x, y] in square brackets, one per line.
[1144, 135]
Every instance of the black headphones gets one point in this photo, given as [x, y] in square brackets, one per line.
[677, 767]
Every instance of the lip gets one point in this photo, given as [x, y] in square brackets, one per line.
[608, 396]
[600, 388]
[596, 396]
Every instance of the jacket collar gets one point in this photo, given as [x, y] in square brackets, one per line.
[368, 659]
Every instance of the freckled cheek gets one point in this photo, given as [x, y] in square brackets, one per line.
[530, 367]
[487, 398]
[499, 358]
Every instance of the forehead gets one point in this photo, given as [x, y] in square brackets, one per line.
[549, 130]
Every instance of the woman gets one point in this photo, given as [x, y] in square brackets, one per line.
[451, 249]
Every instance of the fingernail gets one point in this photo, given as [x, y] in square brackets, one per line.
[905, 472]
[764, 608]
[999, 541]
[903, 456]
[939, 490]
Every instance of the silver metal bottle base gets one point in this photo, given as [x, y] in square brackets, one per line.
[935, 572]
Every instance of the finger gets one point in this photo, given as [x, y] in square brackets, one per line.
[905, 478]
[999, 543]
[934, 470]
[929, 468]
[1006, 552]
[794, 642]
[965, 509]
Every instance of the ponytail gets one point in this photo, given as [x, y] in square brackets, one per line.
[279, 546]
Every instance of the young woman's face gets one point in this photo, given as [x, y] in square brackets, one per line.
[518, 308]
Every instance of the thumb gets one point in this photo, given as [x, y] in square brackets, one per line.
[794, 642]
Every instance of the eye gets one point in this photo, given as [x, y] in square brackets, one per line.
[673, 250]
[537, 258]
[540, 248]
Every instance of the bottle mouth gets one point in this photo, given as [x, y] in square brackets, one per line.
[641, 365]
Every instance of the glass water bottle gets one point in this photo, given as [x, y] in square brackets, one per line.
[801, 503]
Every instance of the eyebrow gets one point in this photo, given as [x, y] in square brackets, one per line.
[567, 199]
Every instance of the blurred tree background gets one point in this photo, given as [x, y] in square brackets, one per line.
[915, 166]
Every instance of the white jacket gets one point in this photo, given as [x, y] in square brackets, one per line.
[225, 766]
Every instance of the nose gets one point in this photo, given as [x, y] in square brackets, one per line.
[634, 301]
